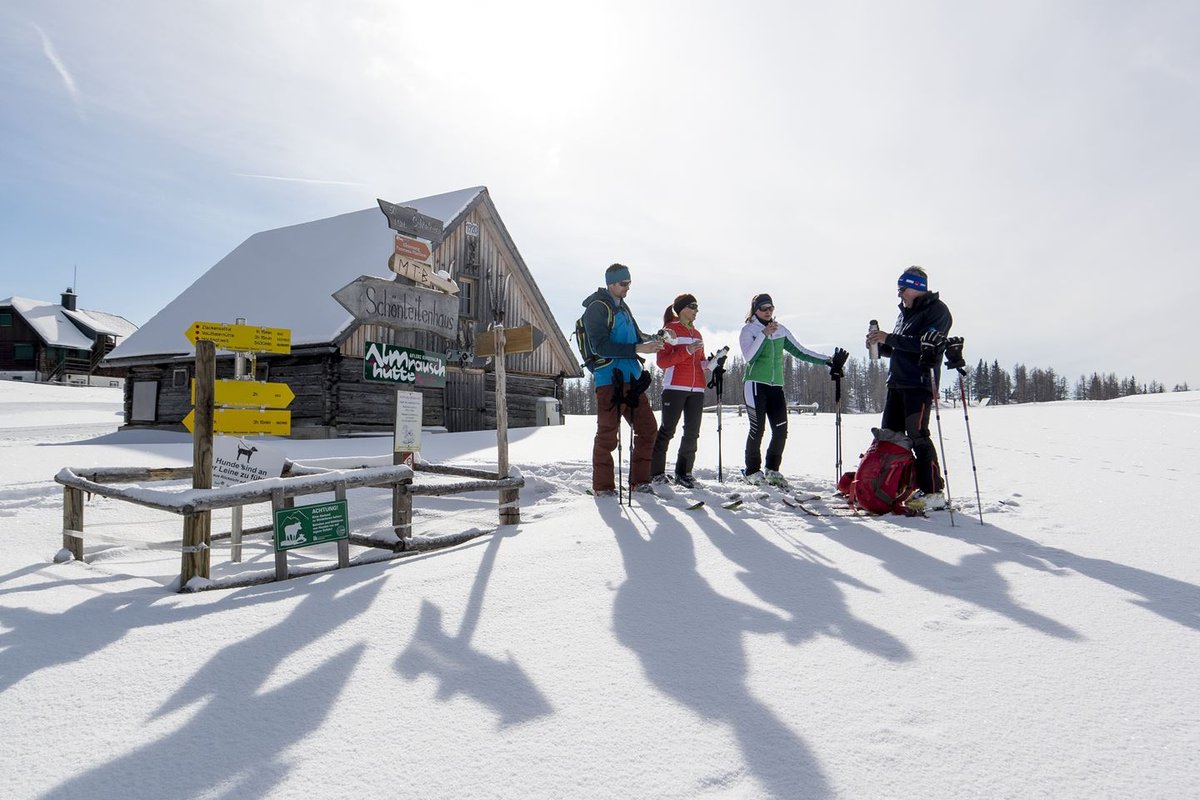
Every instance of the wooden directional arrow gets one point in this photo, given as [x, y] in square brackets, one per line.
[245, 338]
[255, 394]
[411, 222]
[243, 421]
[412, 249]
[516, 340]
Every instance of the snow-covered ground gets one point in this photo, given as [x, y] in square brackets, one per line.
[596, 651]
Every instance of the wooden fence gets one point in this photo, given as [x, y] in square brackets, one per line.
[195, 505]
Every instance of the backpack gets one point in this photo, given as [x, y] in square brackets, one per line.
[591, 361]
[886, 475]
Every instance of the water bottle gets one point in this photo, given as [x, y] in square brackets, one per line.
[872, 327]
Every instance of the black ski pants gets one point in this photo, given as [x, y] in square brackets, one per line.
[676, 403]
[766, 405]
[908, 410]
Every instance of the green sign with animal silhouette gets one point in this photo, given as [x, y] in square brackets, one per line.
[304, 526]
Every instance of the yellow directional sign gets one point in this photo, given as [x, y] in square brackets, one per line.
[245, 338]
[243, 421]
[255, 394]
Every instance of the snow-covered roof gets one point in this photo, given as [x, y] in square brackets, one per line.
[50, 322]
[102, 322]
[286, 277]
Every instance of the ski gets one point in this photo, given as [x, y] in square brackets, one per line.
[667, 494]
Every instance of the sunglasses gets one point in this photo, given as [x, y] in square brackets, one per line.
[693, 306]
[624, 283]
[766, 308]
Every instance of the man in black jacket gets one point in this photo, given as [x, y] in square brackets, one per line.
[923, 324]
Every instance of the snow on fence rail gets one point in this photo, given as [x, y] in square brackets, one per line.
[195, 505]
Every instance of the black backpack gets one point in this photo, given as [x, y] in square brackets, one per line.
[591, 361]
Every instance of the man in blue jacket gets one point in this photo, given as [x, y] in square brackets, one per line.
[618, 344]
[923, 324]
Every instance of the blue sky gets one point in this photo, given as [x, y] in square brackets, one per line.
[1037, 158]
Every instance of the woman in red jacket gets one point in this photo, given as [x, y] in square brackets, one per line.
[684, 378]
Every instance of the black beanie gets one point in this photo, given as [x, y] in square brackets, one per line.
[683, 301]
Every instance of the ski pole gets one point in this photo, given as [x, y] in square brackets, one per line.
[941, 446]
[970, 446]
[620, 462]
[720, 387]
[837, 405]
[631, 463]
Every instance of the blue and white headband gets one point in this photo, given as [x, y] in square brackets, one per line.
[911, 280]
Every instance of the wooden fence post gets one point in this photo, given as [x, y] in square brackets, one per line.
[73, 521]
[402, 512]
[510, 508]
[197, 528]
[343, 545]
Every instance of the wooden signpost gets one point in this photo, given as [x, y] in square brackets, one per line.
[234, 407]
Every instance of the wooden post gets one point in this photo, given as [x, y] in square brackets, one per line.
[343, 545]
[235, 513]
[73, 521]
[278, 503]
[402, 511]
[510, 510]
[197, 528]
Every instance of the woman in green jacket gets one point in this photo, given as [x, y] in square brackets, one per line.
[764, 341]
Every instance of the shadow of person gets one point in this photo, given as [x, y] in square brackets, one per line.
[234, 745]
[975, 579]
[1169, 598]
[689, 641]
[806, 590]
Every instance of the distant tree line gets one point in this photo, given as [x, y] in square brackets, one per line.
[865, 386]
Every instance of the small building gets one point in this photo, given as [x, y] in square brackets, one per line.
[287, 278]
[42, 341]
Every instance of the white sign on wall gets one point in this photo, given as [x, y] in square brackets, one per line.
[408, 422]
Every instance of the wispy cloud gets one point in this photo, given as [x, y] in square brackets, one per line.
[68, 80]
[296, 180]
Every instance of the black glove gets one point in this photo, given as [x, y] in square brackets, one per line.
[954, 356]
[618, 384]
[718, 372]
[637, 388]
[932, 345]
[837, 364]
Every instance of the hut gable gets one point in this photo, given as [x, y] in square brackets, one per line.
[285, 278]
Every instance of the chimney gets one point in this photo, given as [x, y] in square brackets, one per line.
[68, 299]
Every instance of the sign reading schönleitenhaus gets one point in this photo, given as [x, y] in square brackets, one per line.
[397, 305]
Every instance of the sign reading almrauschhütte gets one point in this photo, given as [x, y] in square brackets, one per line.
[389, 363]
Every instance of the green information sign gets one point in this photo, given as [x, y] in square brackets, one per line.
[308, 525]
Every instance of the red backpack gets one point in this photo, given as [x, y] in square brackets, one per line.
[885, 478]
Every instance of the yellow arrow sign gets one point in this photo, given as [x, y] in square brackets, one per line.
[246, 338]
[255, 394]
[246, 420]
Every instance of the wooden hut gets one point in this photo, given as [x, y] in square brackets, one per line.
[42, 341]
[287, 278]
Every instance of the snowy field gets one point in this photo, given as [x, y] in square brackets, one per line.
[597, 651]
